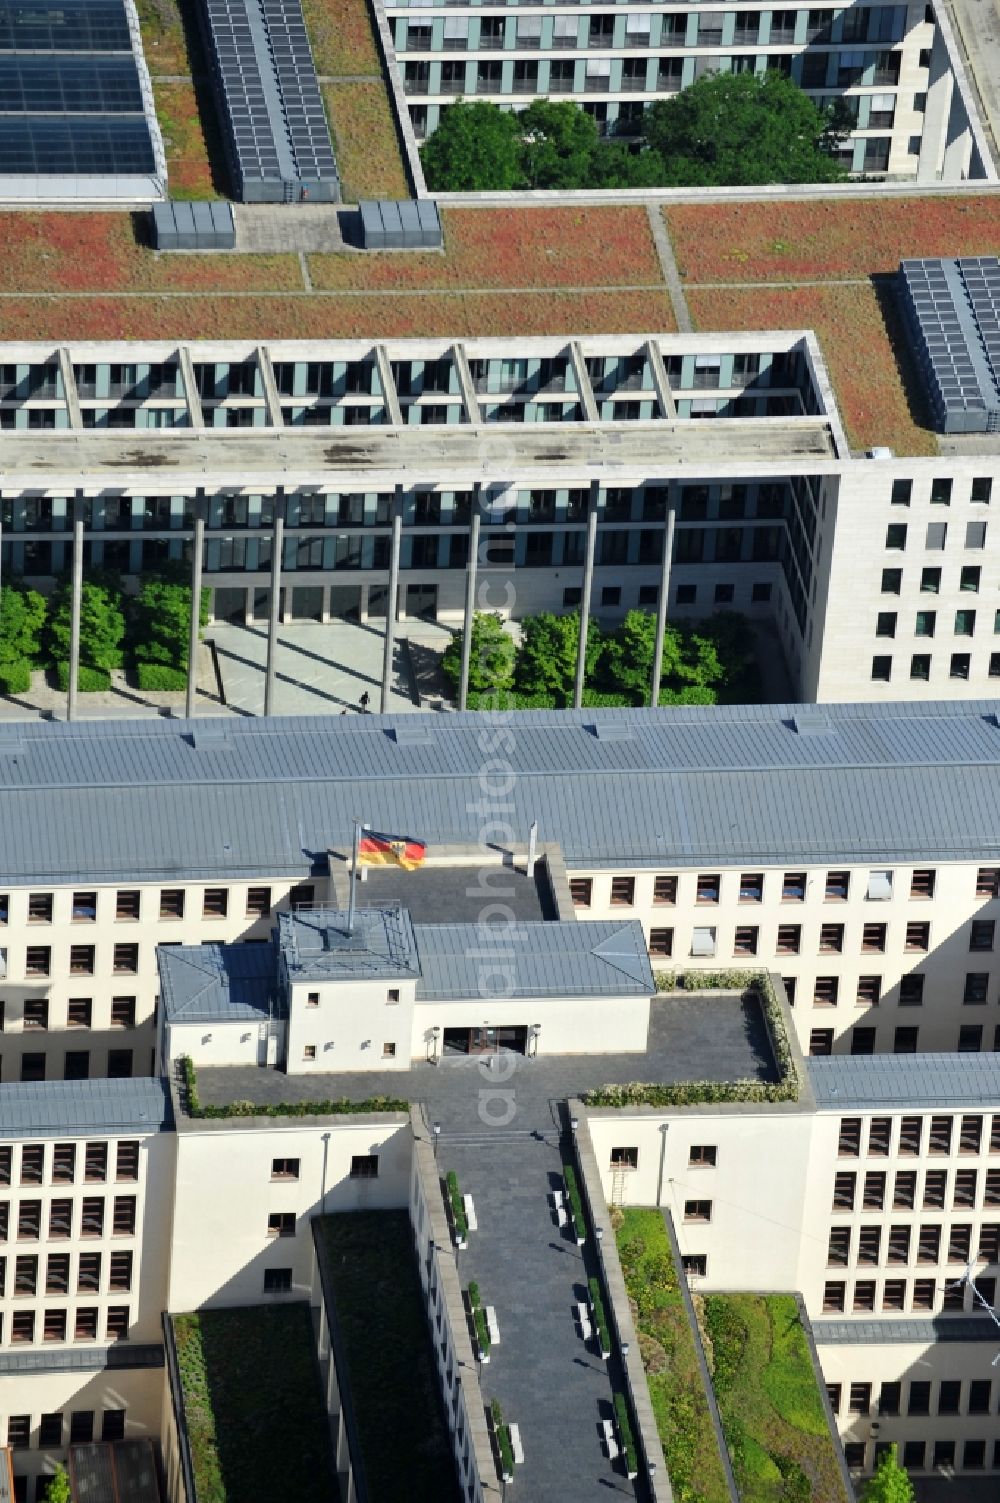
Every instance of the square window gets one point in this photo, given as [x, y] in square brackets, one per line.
[914, 1452]
[172, 903]
[215, 904]
[911, 990]
[918, 937]
[760, 593]
[862, 1040]
[981, 934]
[309, 1052]
[119, 1064]
[707, 890]
[388, 1051]
[703, 1156]
[892, 581]
[895, 536]
[84, 909]
[925, 623]
[364, 1166]
[789, 939]
[85, 1324]
[982, 488]
[920, 666]
[881, 669]
[126, 960]
[793, 887]
[113, 1425]
[975, 534]
[127, 904]
[922, 884]
[37, 960]
[39, 908]
[988, 882]
[81, 1427]
[277, 1280]
[312, 999]
[285, 1168]
[580, 890]
[837, 886]
[123, 1012]
[687, 594]
[622, 892]
[873, 939]
[661, 942]
[901, 492]
[258, 902]
[745, 941]
[834, 1292]
[919, 1396]
[116, 1324]
[905, 1041]
[826, 990]
[572, 595]
[965, 623]
[281, 1224]
[936, 536]
[752, 887]
[36, 1013]
[79, 1011]
[941, 492]
[969, 578]
[50, 1431]
[970, 1038]
[885, 624]
[821, 1042]
[869, 991]
[831, 939]
[930, 581]
[959, 666]
[664, 890]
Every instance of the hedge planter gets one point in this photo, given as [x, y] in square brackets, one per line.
[481, 1325]
[625, 1437]
[459, 1220]
[504, 1446]
[600, 1320]
[575, 1205]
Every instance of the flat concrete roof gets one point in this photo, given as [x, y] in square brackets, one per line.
[459, 894]
[333, 459]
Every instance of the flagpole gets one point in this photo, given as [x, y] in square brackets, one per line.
[354, 875]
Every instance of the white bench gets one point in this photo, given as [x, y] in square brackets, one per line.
[583, 1316]
[515, 1444]
[470, 1213]
[609, 1439]
[491, 1325]
[557, 1198]
[562, 1215]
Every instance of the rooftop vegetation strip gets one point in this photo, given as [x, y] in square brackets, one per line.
[387, 1343]
[327, 1107]
[262, 1439]
[772, 1413]
[755, 984]
[669, 1355]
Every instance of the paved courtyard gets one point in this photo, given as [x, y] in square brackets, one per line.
[326, 668]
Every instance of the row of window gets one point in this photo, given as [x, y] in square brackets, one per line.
[56, 1325]
[918, 1455]
[900, 1295]
[879, 886]
[79, 1010]
[933, 1191]
[69, 1161]
[935, 536]
[959, 666]
[900, 1243]
[76, 1065]
[874, 939]
[904, 1039]
[700, 1156]
[953, 1397]
[942, 1138]
[128, 904]
[61, 1221]
[56, 1276]
[51, 1431]
[925, 622]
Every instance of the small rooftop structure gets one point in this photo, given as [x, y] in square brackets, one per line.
[78, 1107]
[317, 944]
[543, 960]
[219, 983]
[203, 226]
[952, 308]
[905, 1080]
[122, 1472]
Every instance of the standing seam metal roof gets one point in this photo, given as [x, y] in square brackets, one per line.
[154, 800]
[905, 1080]
[77, 1107]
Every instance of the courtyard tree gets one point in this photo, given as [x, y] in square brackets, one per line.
[22, 617]
[890, 1484]
[475, 147]
[743, 128]
[546, 659]
[162, 618]
[491, 657]
[102, 623]
[559, 142]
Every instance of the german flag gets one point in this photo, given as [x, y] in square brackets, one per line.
[376, 849]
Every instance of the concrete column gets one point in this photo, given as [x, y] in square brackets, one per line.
[277, 548]
[72, 396]
[470, 603]
[76, 602]
[196, 416]
[390, 605]
[197, 561]
[661, 608]
[588, 580]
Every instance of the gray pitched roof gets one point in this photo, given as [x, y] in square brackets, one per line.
[537, 960]
[50, 1108]
[161, 799]
[905, 1080]
[910, 1330]
[218, 983]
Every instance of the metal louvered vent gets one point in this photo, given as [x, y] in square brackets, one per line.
[953, 312]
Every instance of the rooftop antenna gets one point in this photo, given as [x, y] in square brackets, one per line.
[354, 871]
[532, 845]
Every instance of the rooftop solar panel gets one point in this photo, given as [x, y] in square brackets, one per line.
[279, 142]
[89, 145]
[77, 85]
[59, 26]
[953, 313]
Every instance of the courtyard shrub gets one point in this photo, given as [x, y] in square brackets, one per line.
[160, 676]
[89, 680]
[457, 1205]
[575, 1202]
[600, 1319]
[624, 1425]
[503, 1439]
[15, 678]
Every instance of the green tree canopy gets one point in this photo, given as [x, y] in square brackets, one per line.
[890, 1483]
[546, 659]
[741, 128]
[102, 623]
[58, 1490]
[22, 616]
[491, 658]
[162, 616]
[477, 146]
[558, 144]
